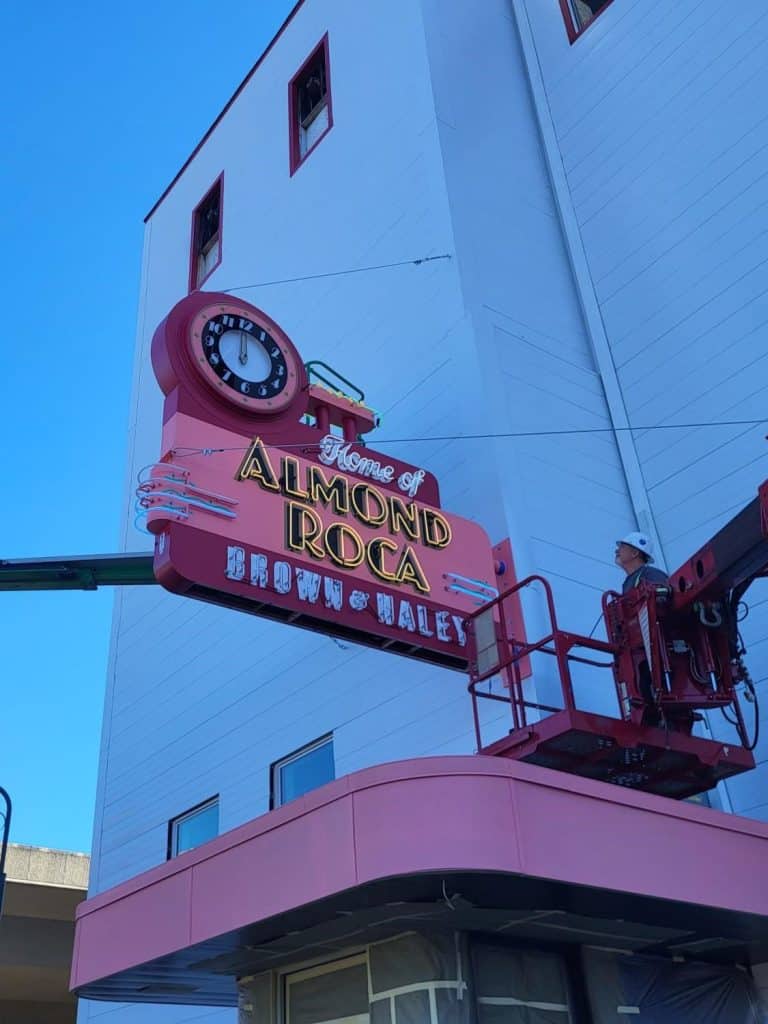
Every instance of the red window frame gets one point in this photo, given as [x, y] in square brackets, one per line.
[194, 284]
[295, 154]
[574, 32]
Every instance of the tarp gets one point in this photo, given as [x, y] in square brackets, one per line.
[516, 986]
[327, 997]
[419, 978]
[411, 959]
[453, 978]
[656, 990]
[255, 999]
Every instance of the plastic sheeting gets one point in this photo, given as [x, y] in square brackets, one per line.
[519, 986]
[425, 978]
[413, 1007]
[652, 990]
[411, 959]
[419, 978]
[516, 986]
[255, 1000]
[381, 1012]
[330, 996]
[312, 996]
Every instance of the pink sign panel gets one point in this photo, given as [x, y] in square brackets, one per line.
[301, 522]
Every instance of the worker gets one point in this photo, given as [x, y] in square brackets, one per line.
[634, 554]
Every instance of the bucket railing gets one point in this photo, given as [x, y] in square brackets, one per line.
[494, 651]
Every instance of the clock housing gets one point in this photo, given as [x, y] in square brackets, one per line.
[227, 362]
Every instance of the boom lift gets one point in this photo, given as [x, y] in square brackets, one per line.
[675, 651]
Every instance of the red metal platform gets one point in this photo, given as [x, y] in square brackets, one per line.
[633, 750]
[652, 760]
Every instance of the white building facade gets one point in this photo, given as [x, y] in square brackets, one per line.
[540, 251]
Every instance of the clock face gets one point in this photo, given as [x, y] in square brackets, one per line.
[248, 363]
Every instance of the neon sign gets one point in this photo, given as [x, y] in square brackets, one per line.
[255, 510]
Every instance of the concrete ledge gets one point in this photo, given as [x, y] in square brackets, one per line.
[47, 867]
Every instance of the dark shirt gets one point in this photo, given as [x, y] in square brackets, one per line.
[645, 574]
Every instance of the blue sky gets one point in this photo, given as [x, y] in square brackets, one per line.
[104, 104]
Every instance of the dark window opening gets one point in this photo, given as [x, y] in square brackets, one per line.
[312, 90]
[208, 221]
[309, 101]
[206, 237]
[579, 14]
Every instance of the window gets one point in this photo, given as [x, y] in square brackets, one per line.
[579, 14]
[306, 769]
[309, 104]
[335, 993]
[193, 828]
[705, 800]
[206, 236]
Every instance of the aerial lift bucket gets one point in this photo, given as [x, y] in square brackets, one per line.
[664, 757]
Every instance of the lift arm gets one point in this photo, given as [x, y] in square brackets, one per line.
[82, 572]
[731, 560]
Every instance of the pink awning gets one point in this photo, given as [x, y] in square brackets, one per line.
[395, 829]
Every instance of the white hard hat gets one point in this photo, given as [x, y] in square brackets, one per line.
[638, 540]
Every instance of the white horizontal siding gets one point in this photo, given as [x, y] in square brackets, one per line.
[665, 148]
[564, 494]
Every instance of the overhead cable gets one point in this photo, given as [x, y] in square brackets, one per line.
[184, 451]
[417, 262]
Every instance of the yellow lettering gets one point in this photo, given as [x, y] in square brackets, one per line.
[338, 538]
[409, 571]
[436, 530]
[302, 526]
[404, 517]
[375, 558]
[369, 505]
[335, 490]
[256, 466]
[291, 479]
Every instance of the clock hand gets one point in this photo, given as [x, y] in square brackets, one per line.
[243, 357]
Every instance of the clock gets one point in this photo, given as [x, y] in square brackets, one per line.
[244, 357]
[220, 360]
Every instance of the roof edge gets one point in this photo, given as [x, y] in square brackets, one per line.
[225, 108]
